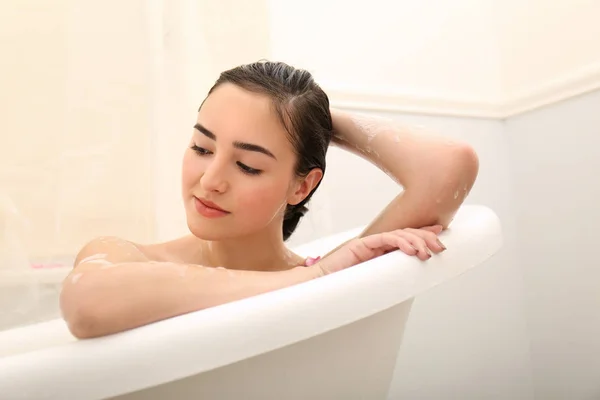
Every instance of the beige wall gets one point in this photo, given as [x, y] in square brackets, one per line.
[419, 50]
[32, 76]
[74, 153]
[545, 44]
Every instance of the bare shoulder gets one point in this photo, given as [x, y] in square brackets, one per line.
[110, 250]
[184, 250]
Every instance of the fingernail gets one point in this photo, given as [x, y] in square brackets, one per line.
[441, 244]
[428, 251]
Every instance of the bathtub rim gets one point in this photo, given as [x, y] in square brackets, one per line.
[141, 358]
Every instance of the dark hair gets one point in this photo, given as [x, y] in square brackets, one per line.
[303, 109]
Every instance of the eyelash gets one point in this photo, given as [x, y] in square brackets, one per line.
[245, 169]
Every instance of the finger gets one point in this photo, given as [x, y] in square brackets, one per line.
[405, 246]
[417, 242]
[392, 242]
[431, 239]
[380, 252]
[437, 229]
[364, 250]
[380, 240]
[388, 249]
[388, 241]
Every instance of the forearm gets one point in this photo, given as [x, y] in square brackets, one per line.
[125, 296]
[381, 141]
[436, 173]
[404, 211]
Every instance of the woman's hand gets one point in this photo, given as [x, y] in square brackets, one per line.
[421, 243]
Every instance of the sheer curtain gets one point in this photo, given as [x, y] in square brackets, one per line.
[98, 104]
[77, 141]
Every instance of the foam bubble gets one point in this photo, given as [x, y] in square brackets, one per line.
[76, 277]
[99, 256]
[370, 125]
[99, 262]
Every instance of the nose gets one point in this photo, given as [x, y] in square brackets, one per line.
[213, 179]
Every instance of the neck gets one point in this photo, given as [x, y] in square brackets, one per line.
[264, 251]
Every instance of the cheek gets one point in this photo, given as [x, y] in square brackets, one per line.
[262, 201]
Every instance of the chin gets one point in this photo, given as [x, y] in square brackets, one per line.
[216, 230]
[207, 231]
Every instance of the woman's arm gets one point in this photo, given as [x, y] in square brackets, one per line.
[114, 288]
[436, 173]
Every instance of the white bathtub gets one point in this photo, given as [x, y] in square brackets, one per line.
[336, 337]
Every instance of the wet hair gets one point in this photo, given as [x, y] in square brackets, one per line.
[303, 109]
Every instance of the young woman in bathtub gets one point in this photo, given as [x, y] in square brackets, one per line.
[255, 157]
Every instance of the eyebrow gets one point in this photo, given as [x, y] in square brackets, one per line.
[236, 144]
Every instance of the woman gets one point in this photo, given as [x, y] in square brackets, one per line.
[256, 156]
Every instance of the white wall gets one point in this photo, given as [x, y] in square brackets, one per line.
[555, 159]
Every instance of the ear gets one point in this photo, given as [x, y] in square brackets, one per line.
[303, 186]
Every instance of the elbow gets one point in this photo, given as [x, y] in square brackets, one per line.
[460, 168]
[468, 164]
[81, 310]
[82, 324]
[460, 173]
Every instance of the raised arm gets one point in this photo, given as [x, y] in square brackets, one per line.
[436, 173]
[114, 287]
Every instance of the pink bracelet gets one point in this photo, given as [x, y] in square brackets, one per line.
[311, 261]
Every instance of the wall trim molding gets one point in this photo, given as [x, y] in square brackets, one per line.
[570, 85]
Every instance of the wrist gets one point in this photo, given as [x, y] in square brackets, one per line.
[354, 132]
[308, 273]
[337, 124]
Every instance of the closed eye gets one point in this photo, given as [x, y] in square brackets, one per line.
[248, 170]
[201, 151]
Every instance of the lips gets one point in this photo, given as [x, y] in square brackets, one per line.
[208, 209]
[210, 204]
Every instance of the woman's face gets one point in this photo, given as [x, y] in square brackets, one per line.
[240, 159]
